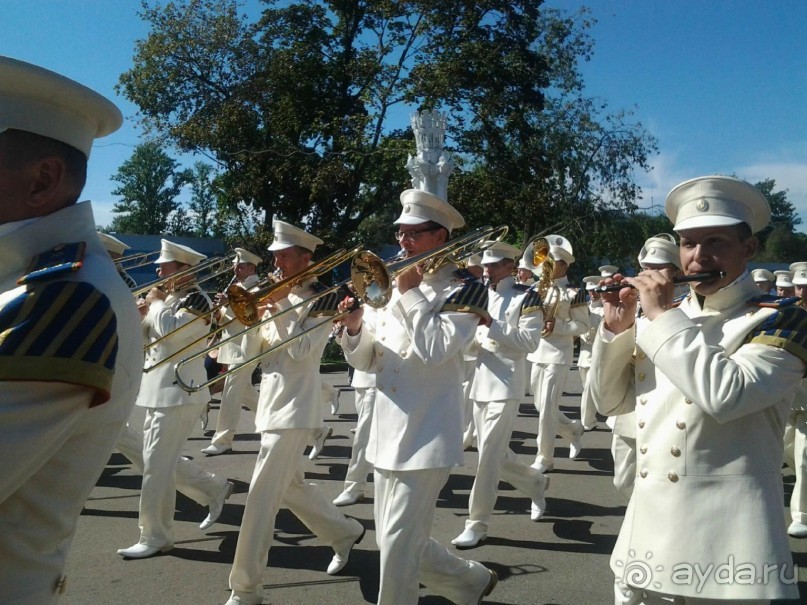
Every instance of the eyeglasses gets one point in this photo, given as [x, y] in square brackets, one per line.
[414, 234]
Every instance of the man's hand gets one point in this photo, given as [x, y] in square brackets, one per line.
[142, 307]
[155, 294]
[351, 321]
[549, 327]
[619, 306]
[656, 290]
[411, 278]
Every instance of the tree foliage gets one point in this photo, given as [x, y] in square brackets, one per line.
[150, 183]
[300, 108]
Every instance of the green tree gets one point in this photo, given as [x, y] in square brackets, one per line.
[150, 183]
[297, 107]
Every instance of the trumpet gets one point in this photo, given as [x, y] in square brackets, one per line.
[371, 279]
[217, 265]
[705, 276]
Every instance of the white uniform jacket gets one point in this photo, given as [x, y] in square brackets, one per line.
[112, 380]
[416, 351]
[240, 349]
[571, 319]
[159, 388]
[291, 393]
[595, 312]
[515, 329]
[711, 383]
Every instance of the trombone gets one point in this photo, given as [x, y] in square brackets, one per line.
[140, 259]
[372, 281]
[217, 265]
[245, 303]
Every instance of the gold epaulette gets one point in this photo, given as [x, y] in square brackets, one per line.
[580, 298]
[785, 329]
[468, 298]
[532, 302]
[53, 263]
[60, 331]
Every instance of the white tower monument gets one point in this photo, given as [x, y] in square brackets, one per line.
[432, 165]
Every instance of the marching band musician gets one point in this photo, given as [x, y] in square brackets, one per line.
[552, 359]
[524, 274]
[764, 280]
[170, 411]
[238, 389]
[116, 248]
[796, 429]
[70, 350]
[588, 412]
[289, 412]
[710, 382]
[414, 345]
[784, 284]
[513, 330]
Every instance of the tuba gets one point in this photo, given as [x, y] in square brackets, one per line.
[537, 258]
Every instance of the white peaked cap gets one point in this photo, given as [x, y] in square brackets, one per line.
[716, 201]
[784, 279]
[560, 241]
[474, 260]
[287, 235]
[799, 271]
[37, 100]
[591, 281]
[245, 256]
[607, 270]
[112, 244]
[522, 264]
[763, 275]
[499, 251]
[660, 249]
[422, 206]
[169, 251]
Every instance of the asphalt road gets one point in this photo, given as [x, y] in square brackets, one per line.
[563, 559]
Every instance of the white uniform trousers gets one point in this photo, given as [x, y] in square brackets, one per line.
[626, 595]
[238, 390]
[277, 479]
[588, 411]
[548, 381]
[405, 502]
[53, 450]
[192, 480]
[359, 467]
[469, 431]
[796, 458]
[164, 435]
[623, 450]
[494, 421]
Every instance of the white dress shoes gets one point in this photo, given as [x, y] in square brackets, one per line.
[797, 530]
[494, 579]
[342, 553]
[538, 504]
[216, 450]
[319, 443]
[469, 538]
[347, 498]
[143, 551]
[335, 402]
[215, 507]
[576, 444]
[543, 467]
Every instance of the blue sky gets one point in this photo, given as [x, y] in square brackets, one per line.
[722, 84]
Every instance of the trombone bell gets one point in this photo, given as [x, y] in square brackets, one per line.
[370, 278]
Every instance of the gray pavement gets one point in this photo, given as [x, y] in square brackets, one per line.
[563, 559]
